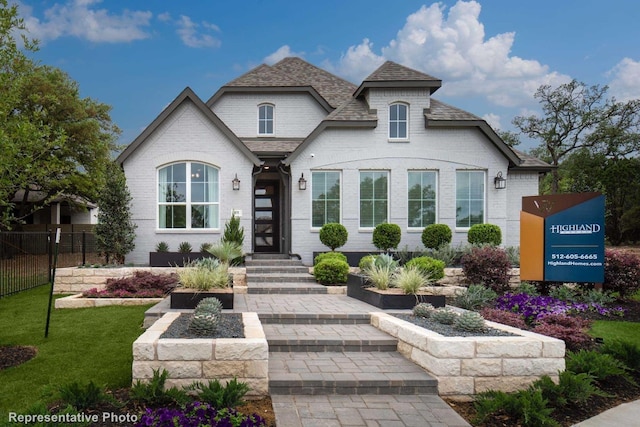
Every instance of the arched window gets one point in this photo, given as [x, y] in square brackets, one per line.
[188, 196]
[398, 121]
[266, 119]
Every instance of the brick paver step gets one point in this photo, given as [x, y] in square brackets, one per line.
[280, 278]
[314, 319]
[327, 337]
[272, 262]
[261, 269]
[357, 373]
[287, 288]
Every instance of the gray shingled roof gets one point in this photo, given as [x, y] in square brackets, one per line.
[294, 72]
[390, 71]
[265, 145]
[531, 162]
[441, 111]
[353, 110]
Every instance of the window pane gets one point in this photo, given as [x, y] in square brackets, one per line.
[325, 198]
[402, 130]
[173, 216]
[373, 198]
[366, 213]
[469, 198]
[366, 186]
[269, 127]
[263, 203]
[380, 212]
[402, 112]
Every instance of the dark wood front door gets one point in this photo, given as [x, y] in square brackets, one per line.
[266, 214]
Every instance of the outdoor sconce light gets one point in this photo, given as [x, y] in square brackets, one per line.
[236, 183]
[500, 182]
[302, 183]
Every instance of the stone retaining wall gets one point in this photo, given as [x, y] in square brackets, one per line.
[77, 301]
[465, 366]
[75, 280]
[204, 359]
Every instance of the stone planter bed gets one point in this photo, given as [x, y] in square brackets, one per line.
[202, 359]
[392, 299]
[182, 298]
[78, 301]
[466, 366]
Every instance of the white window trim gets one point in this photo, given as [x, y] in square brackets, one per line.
[317, 229]
[437, 201]
[397, 139]
[484, 204]
[273, 107]
[388, 172]
[188, 228]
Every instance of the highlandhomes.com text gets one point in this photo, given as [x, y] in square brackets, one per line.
[72, 418]
[574, 264]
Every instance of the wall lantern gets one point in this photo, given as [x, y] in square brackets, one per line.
[500, 182]
[236, 183]
[302, 183]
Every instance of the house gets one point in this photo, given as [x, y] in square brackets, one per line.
[290, 147]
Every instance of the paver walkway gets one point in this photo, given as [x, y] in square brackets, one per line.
[327, 365]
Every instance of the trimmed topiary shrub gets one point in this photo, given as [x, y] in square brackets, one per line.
[331, 271]
[333, 235]
[387, 236]
[489, 266]
[621, 272]
[485, 234]
[433, 269]
[329, 255]
[436, 235]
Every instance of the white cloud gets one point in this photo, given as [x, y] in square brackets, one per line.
[625, 82]
[283, 52]
[164, 17]
[81, 19]
[188, 32]
[493, 120]
[455, 49]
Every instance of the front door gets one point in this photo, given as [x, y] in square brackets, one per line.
[266, 208]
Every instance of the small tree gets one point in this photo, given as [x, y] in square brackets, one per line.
[333, 235]
[233, 232]
[115, 231]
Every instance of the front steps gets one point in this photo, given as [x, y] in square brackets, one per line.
[328, 354]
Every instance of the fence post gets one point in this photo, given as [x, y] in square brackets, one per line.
[84, 247]
[50, 252]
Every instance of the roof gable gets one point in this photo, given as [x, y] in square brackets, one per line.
[187, 95]
[390, 75]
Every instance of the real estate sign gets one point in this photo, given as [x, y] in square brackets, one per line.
[562, 238]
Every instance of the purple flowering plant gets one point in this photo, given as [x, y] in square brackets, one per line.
[533, 308]
[198, 414]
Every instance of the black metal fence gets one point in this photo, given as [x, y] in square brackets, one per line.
[26, 257]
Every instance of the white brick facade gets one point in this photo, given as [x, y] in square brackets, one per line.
[333, 136]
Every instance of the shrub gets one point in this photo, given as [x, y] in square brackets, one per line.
[527, 288]
[487, 265]
[624, 351]
[405, 255]
[329, 255]
[233, 232]
[331, 271]
[162, 247]
[599, 365]
[621, 272]
[432, 269]
[142, 284]
[82, 397]
[447, 254]
[527, 407]
[484, 234]
[508, 318]
[574, 339]
[226, 251]
[218, 395]
[475, 298]
[436, 235]
[154, 393]
[571, 389]
[409, 279]
[386, 236]
[185, 247]
[333, 235]
[366, 262]
[563, 293]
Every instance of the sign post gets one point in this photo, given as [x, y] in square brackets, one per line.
[562, 238]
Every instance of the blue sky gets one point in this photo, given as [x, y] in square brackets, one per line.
[138, 55]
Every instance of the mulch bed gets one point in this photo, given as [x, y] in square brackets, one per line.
[14, 355]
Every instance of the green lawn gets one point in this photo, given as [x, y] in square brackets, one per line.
[83, 345]
[612, 330]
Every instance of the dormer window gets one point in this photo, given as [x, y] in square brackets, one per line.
[265, 120]
[399, 122]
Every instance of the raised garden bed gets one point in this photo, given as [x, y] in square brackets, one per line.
[202, 359]
[357, 288]
[466, 366]
[78, 301]
[184, 298]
